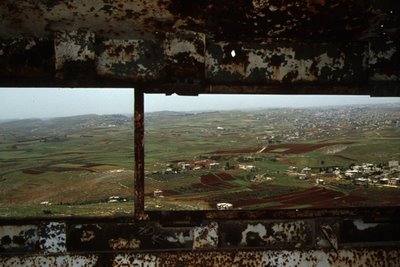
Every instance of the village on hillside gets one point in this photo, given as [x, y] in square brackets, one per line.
[257, 156]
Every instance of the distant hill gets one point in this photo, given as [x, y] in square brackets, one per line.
[167, 113]
[65, 123]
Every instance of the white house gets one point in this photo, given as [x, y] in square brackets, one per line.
[224, 206]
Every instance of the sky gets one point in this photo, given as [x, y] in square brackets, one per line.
[24, 103]
[235, 102]
[21, 103]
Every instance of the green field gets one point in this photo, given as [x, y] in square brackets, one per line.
[192, 137]
[82, 170]
[78, 163]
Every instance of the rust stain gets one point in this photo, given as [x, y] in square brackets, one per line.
[87, 236]
[122, 243]
[330, 235]
[206, 236]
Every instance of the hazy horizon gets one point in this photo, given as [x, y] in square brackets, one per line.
[44, 103]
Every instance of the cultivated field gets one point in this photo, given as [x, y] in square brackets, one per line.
[75, 164]
[245, 157]
[273, 158]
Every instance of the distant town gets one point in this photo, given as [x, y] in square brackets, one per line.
[335, 148]
[277, 158]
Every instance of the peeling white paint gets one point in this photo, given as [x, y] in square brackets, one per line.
[175, 45]
[384, 77]
[143, 260]
[28, 232]
[67, 47]
[255, 228]
[124, 52]
[44, 261]
[288, 232]
[206, 236]
[360, 225]
[374, 57]
[301, 67]
[53, 237]
[31, 43]
[180, 238]
[260, 60]
[332, 63]
[124, 55]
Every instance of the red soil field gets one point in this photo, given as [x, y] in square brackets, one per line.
[285, 160]
[343, 157]
[217, 180]
[213, 182]
[25, 144]
[33, 171]
[289, 148]
[225, 176]
[88, 165]
[204, 186]
[316, 197]
[53, 169]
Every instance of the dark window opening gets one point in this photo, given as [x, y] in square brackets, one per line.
[263, 152]
[204, 153]
[66, 152]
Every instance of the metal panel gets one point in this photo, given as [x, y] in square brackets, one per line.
[74, 54]
[52, 237]
[115, 242]
[134, 60]
[275, 62]
[16, 238]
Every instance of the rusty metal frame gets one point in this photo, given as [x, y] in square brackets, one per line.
[139, 155]
[319, 47]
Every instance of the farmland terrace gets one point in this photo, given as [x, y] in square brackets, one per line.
[260, 150]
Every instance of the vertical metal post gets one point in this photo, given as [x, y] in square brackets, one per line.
[139, 155]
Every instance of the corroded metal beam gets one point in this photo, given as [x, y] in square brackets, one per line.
[261, 46]
[240, 20]
[309, 242]
[189, 63]
[139, 155]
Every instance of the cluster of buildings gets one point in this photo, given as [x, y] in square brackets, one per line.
[192, 165]
[116, 199]
[304, 174]
[364, 174]
[183, 166]
[306, 124]
[368, 173]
